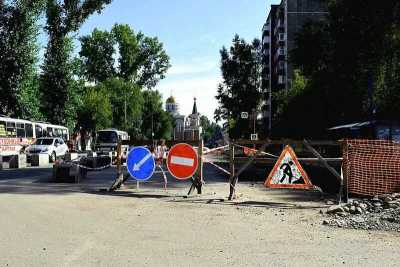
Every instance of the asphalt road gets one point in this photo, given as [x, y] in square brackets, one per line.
[48, 224]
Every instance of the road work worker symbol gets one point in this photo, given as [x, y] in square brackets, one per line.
[288, 173]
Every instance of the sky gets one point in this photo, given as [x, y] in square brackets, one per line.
[193, 32]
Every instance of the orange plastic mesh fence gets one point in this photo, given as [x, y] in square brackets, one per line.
[372, 167]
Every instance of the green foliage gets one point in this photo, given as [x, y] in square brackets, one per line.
[97, 51]
[155, 118]
[28, 98]
[387, 94]
[18, 58]
[96, 113]
[126, 101]
[240, 90]
[351, 62]
[56, 79]
[209, 128]
[141, 60]
[283, 98]
[58, 84]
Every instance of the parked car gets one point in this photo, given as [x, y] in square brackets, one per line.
[54, 147]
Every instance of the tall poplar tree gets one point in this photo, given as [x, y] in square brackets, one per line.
[58, 84]
[18, 58]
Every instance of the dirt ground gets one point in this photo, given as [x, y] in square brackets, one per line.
[48, 224]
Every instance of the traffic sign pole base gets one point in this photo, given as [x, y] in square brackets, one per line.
[196, 184]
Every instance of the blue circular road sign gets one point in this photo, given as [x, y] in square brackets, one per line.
[140, 163]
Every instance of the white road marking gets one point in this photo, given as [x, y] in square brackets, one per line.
[182, 161]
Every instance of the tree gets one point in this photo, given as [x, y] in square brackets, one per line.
[126, 102]
[141, 60]
[96, 113]
[240, 90]
[57, 80]
[155, 119]
[350, 61]
[209, 128]
[18, 58]
[97, 54]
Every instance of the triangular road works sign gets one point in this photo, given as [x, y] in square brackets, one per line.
[288, 173]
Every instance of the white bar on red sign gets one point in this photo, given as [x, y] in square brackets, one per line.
[182, 161]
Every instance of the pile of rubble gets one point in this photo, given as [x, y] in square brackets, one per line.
[379, 213]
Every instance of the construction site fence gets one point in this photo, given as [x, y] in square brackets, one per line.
[371, 167]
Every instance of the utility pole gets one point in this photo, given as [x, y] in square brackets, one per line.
[254, 121]
[152, 127]
[125, 120]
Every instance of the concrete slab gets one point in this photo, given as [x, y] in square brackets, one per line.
[71, 156]
[18, 161]
[40, 160]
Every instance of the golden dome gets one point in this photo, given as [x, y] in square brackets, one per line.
[171, 100]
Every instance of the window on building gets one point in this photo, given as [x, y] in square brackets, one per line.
[281, 51]
[281, 65]
[281, 79]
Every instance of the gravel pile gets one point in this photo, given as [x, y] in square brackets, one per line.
[379, 213]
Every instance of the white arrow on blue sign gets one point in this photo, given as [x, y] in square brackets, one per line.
[140, 163]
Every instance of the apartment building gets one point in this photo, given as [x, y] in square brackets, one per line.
[284, 21]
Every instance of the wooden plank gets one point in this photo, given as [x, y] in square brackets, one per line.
[120, 175]
[200, 168]
[231, 168]
[197, 181]
[168, 143]
[288, 142]
[322, 160]
[273, 160]
[245, 166]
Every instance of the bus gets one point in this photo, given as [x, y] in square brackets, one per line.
[15, 134]
[107, 141]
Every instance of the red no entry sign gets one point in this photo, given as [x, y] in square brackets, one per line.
[182, 161]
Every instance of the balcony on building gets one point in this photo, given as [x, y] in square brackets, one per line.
[266, 30]
[281, 79]
[280, 54]
[281, 65]
[266, 40]
[281, 37]
[265, 51]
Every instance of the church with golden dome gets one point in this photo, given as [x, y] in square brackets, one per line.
[187, 128]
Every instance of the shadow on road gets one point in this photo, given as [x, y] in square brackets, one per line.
[39, 182]
[254, 204]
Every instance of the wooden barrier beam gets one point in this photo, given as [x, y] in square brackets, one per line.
[288, 141]
[120, 175]
[328, 167]
[197, 182]
[245, 166]
[232, 181]
[272, 161]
